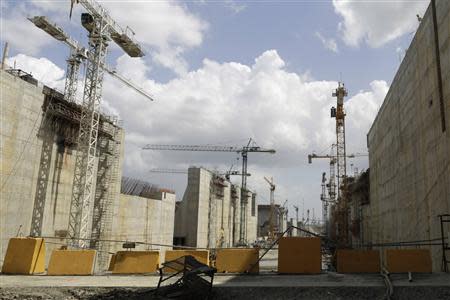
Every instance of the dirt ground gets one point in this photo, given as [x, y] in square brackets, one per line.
[259, 293]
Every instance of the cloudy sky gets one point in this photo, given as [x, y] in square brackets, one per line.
[224, 71]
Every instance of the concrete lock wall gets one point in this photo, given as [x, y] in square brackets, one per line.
[28, 144]
[209, 214]
[140, 219]
[408, 149]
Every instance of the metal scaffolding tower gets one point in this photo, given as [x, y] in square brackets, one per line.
[339, 114]
[272, 236]
[244, 153]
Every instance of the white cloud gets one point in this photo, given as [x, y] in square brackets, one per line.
[226, 103]
[21, 34]
[41, 68]
[166, 29]
[329, 44]
[166, 26]
[377, 22]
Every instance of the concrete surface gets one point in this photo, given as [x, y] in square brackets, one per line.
[323, 286]
[227, 280]
[37, 163]
[408, 151]
[209, 214]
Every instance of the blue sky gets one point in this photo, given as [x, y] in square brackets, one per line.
[224, 71]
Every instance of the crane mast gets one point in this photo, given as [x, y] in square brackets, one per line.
[102, 29]
[272, 209]
[339, 114]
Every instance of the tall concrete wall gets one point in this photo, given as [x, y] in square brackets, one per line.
[209, 214]
[140, 219]
[37, 162]
[409, 153]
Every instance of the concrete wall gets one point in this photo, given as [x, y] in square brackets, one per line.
[263, 216]
[140, 219]
[37, 161]
[408, 150]
[209, 214]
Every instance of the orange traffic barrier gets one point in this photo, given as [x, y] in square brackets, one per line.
[297, 255]
[358, 261]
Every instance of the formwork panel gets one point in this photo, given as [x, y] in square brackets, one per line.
[24, 256]
[72, 262]
[408, 260]
[299, 255]
[358, 261]
[237, 260]
[135, 262]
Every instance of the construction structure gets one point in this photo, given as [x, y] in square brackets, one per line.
[409, 143]
[39, 138]
[276, 214]
[144, 215]
[244, 196]
[209, 214]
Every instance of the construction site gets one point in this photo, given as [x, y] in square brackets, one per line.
[75, 225]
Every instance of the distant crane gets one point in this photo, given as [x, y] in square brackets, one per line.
[272, 209]
[227, 174]
[244, 153]
[339, 114]
[333, 159]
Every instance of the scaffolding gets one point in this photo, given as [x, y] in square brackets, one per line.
[105, 193]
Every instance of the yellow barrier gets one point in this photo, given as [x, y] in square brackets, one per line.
[71, 262]
[200, 255]
[408, 260]
[135, 262]
[111, 262]
[24, 256]
[297, 255]
[358, 261]
[237, 260]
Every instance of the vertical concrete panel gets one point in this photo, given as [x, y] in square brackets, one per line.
[408, 152]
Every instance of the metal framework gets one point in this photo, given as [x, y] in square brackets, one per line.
[339, 114]
[272, 209]
[102, 28]
[244, 153]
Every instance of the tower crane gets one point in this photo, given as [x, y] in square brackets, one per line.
[339, 114]
[227, 174]
[77, 56]
[272, 209]
[333, 159]
[244, 153]
[101, 30]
